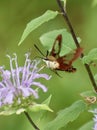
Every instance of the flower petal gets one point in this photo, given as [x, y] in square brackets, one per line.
[40, 86]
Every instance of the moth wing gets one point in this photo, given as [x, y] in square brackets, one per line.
[56, 46]
[76, 55]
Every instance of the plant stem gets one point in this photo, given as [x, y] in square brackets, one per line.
[30, 120]
[77, 43]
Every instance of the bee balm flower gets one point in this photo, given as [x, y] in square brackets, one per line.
[95, 119]
[19, 83]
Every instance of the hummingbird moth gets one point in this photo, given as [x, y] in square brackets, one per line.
[56, 62]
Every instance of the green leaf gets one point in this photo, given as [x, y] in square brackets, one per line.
[35, 23]
[19, 111]
[90, 97]
[39, 107]
[44, 106]
[35, 108]
[87, 126]
[66, 115]
[92, 55]
[88, 93]
[68, 44]
[27, 104]
[42, 115]
[7, 112]
[47, 101]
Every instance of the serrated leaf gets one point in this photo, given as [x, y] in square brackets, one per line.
[87, 126]
[35, 23]
[39, 107]
[92, 55]
[66, 115]
[68, 44]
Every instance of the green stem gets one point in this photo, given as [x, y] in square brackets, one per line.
[77, 43]
[30, 120]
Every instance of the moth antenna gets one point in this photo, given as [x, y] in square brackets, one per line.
[39, 57]
[39, 50]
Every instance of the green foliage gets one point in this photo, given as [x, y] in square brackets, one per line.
[87, 126]
[68, 45]
[43, 106]
[92, 55]
[39, 107]
[88, 93]
[18, 109]
[90, 97]
[35, 23]
[47, 101]
[41, 114]
[66, 115]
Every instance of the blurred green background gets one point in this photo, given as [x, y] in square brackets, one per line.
[14, 15]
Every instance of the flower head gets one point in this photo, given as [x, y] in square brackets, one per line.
[95, 119]
[19, 83]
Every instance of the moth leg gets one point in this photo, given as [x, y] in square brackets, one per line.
[55, 71]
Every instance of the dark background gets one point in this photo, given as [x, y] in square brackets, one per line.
[14, 15]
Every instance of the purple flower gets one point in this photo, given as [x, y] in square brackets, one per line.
[95, 121]
[95, 118]
[19, 83]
